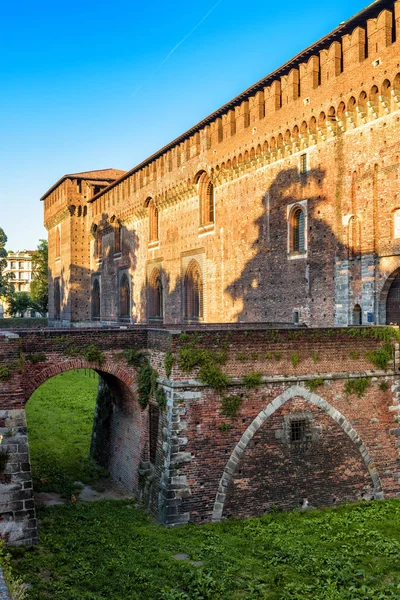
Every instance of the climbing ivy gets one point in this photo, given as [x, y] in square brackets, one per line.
[230, 406]
[147, 383]
[381, 357]
[168, 363]
[252, 380]
[5, 373]
[313, 384]
[357, 386]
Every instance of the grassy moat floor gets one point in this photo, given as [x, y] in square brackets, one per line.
[113, 550]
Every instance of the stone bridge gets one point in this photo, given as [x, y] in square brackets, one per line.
[215, 421]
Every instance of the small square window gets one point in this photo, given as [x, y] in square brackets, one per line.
[303, 163]
[298, 430]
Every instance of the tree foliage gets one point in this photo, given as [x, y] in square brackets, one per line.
[39, 285]
[6, 287]
[18, 304]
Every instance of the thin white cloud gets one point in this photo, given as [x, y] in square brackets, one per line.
[190, 32]
[170, 53]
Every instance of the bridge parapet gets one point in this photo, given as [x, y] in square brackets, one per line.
[217, 436]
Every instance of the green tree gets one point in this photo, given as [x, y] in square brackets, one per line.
[6, 287]
[39, 286]
[19, 303]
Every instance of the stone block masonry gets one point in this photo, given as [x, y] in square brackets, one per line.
[249, 418]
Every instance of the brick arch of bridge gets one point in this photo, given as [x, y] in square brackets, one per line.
[292, 392]
[34, 380]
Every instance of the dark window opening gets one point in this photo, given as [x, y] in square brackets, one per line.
[57, 299]
[96, 300]
[154, 417]
[357, 317]
[298, 231]
[299, 430]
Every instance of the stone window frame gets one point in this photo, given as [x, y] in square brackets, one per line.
[291, 210]
[313, 433]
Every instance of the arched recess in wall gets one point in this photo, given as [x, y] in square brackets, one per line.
[95, 299]
[58, 242]
[155, 295]
[124, 298]
[205, 190]
[271, 408]
[153, 220]
[57, 298]
[193, 292]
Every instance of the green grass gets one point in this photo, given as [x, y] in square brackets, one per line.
[113, 551]
[60, 421]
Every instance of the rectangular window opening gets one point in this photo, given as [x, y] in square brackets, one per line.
[298, 430]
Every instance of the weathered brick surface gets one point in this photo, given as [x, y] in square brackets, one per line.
[192, 463]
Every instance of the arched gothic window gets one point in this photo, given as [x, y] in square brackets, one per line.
[297, 230]
[155, 295]
[96, 300]
[153, 221]
[193, 292]
[357, 316]
[206, 197]
[124, 297]
[58, 242]
[57, 298]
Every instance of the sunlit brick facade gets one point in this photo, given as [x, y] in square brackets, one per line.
[282, 206]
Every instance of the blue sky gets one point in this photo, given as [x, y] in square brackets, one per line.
[85, 84]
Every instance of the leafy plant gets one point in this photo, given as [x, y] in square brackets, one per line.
[242, 356]
[295, 359]
[383, 385]
[168, 363]
[313, 384]
[71, 350]
[277, 356]
[212, 375]
[354, 354]
[93, 354]
[133, 357]
[161, 398]
[5, 373]
[37, 357]
[225, 427]
[147, 383]
[357, 386]
[315, 357]
[252, 380]
[381, 357]
[16, 587]
[230, 405]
